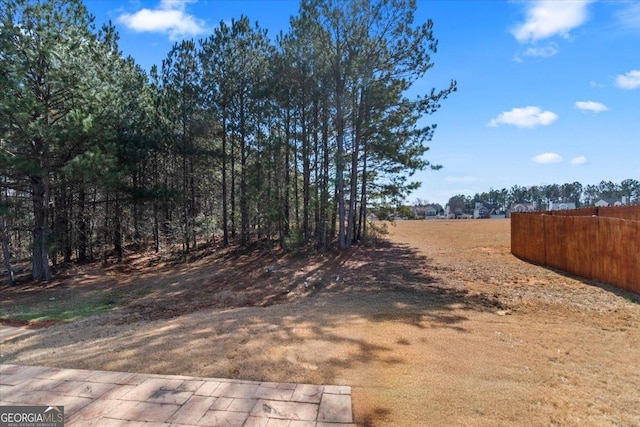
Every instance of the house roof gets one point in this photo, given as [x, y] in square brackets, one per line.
[529, 205]
[488, 206]
[561, 205]
[610, 200]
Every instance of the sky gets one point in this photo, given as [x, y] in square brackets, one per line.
[548, 91]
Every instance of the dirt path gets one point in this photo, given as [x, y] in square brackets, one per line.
[442, 327]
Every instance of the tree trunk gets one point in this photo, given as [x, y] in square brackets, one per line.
[233, 190]
[359, 113]
[82, 226]
[316, 171]
[93, 223]
[324, 206]
[62, 231]
[186, 215]
[342, 234]
[362, 225]
[286, 208]
[281, 154]
[225, 208]
[156, 208]
[193, 204]
[6, 252]
[353, 182]
[40, 256]
[306, 176]
[105, 254]
[296, 191]
[244, 207]
[137, 207]
[68, 240]
[117, 228]
[333, 221]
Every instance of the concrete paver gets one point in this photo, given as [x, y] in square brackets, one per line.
[193, 410]
[334, 407]
[103, 398]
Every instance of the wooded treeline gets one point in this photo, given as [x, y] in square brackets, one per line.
[280, 141]
[543, 195]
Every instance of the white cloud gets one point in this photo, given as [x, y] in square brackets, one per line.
[594, 83]
[546, 19]
[580, 160]
[631, 80]
[540, 52]
[547, 158]
[526, 117]
[170, 17]
[593, 106]
[544, 52]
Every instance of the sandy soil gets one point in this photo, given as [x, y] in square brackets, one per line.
[440, 325]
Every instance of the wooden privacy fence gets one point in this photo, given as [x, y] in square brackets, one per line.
[596, 243]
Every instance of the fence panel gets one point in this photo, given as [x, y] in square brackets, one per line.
[582, 245]
[557, 230]
[619, 253]
[602, 247]
[623, 212]
[633, 249]
[527, 238]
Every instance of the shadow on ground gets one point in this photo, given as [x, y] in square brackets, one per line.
[324, 319]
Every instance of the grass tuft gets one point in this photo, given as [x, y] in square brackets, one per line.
[59, 311]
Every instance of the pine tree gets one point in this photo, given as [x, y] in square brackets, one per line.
[52, 87]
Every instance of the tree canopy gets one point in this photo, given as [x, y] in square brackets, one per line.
[284, 141]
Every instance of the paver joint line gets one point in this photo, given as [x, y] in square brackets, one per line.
[121, 398]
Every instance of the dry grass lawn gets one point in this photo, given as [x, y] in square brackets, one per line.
[438, 325]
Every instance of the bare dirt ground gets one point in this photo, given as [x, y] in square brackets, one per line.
[439, 325]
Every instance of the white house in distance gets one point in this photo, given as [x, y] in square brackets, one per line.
[521, 207]
[561, 206]
[425, 211]
[611, 201]
[486, 210]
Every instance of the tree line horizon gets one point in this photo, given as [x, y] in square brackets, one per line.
[284, 141]
[543, 195]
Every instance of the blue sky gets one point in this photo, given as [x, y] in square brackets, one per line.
[548, 91]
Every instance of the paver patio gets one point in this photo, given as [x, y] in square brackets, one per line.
[102, 398]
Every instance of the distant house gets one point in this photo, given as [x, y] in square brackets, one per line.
[424, 211]
[561, 206]
[484, 210]
[521, 207]
[438, 207]
[453, 214]
[611, 201]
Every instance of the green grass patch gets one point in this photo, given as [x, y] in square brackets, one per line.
[60, 311]
[71, 306]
